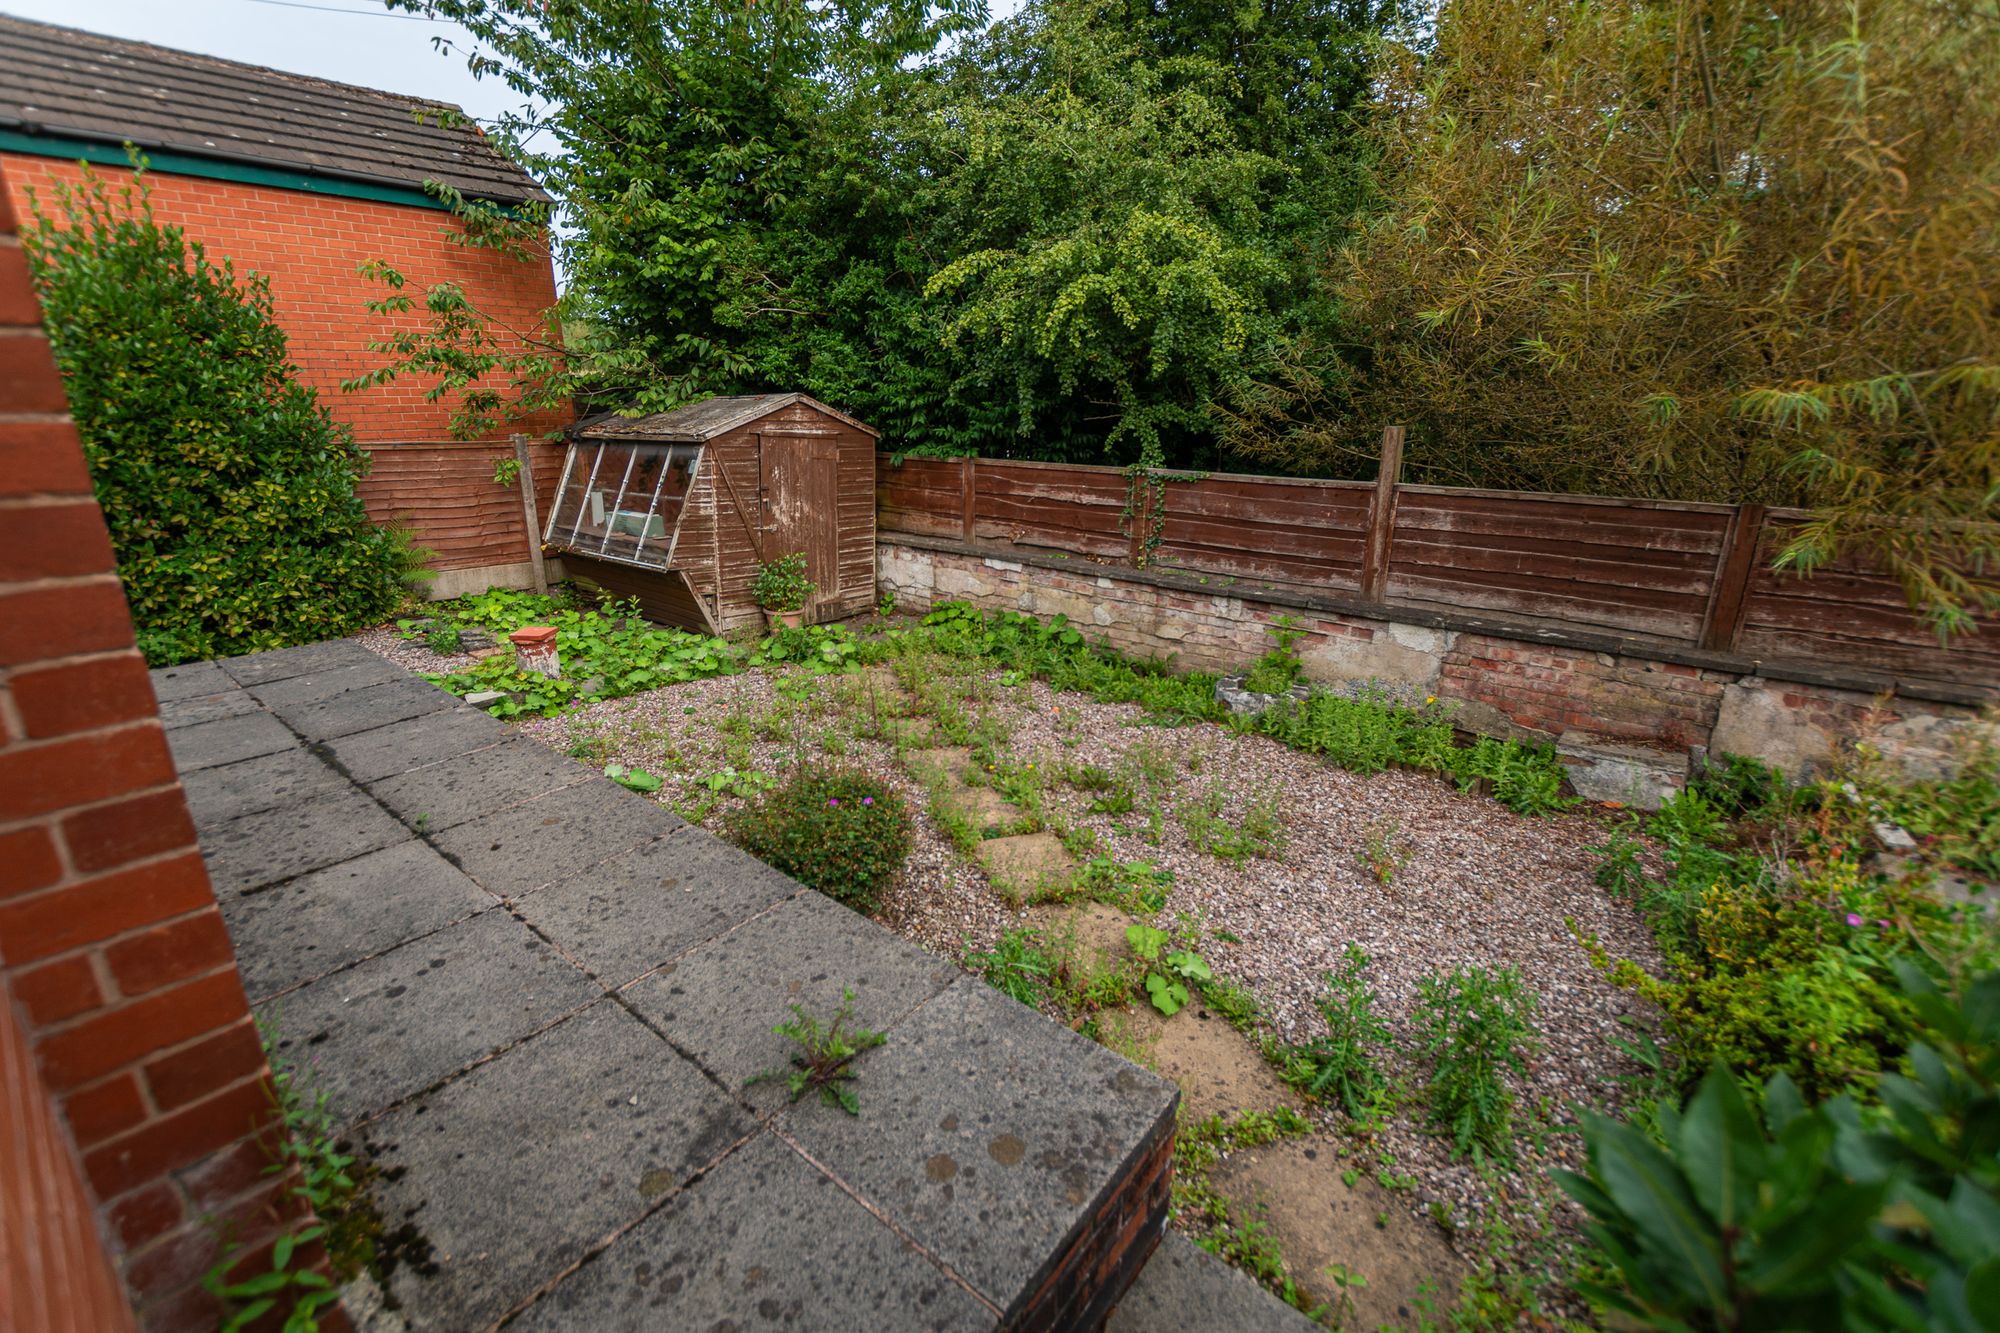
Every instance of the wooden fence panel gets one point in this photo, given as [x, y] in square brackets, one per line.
[1304, 534]
[1079, 509]
[1852, 613]
[446, 492]
[1628, 566]
[919, 495]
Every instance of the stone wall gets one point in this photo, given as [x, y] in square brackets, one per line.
[1626, 715]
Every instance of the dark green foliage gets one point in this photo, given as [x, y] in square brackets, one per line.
[781, 584]
[1956, 820]
[1477, 1026]
[1343, 1064]
[826, 1053]
[1018, 965]
[228, 489]
[1820, 1217]
[839, 830]
[1278, 669]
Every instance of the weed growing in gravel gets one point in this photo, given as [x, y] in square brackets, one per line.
[1276, 670]
[1477, 1026]
[826, 1050]
[1169, 974]
[1343, 1064]
[1384, 851]
[1241, 1240]
[1260, 833]
[1017, 965]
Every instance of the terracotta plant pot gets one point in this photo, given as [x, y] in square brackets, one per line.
[786, 619]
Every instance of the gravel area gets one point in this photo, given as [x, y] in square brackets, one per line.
[1479, 885]
[411, 654]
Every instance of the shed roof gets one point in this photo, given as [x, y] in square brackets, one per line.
[707, 419]
[65, 83]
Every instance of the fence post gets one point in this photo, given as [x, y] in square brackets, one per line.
[1382, 517]
[1722, 624]
[526, 476]
[967, 495]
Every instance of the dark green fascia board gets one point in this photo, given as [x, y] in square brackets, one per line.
[240, 173]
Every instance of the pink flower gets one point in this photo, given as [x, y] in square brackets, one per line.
[834, 801]
[1853, 918]
[868, 800]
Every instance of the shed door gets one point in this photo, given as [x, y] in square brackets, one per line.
[801, 505]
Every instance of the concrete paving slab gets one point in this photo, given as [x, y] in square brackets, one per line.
[189, 679]
[313, 685]
[364, 709]
[514, 1171]
[217, 795]
[252, 851]
[191, 709]
[988, 1133]
[556, 836]
[399, 747]
[763, 1241]
[259, 668]
[635, 912]
[332, 918]
[396, 1024]
[454, 791]
[206, 744]
[720, 1002]
[1184, 1286]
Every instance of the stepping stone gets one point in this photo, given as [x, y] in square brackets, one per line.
[1218, 1069]
[986, 808]
[1184, 1286]
[514, 1171]
[952, 760]
[1319, 1221]
[1026, 864]
[1099, 929]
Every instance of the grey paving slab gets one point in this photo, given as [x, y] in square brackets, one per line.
[638, 910]
[763, 1241]
[331, 918]
[720, 1002]
[258, 668]
[401, 1021]
[513, 1172]
[1184, 1286]
[251, 851]
[562, 834]
[190, 709]
[217, 795]
[454, 791]
[313, 685]
[364, 709]
[206, 744]
[188, 679]
[413, 742]
[988, 1133]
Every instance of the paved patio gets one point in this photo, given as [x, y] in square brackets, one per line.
[536, 998]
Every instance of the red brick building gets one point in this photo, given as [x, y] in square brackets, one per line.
[304, 180]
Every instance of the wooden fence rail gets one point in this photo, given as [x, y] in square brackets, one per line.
[1693, 575]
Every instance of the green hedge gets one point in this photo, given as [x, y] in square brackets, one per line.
[228, 488]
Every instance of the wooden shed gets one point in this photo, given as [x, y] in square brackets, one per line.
[679, 508]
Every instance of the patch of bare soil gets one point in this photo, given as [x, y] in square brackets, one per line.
[1324, 1224]
[1219, 1070]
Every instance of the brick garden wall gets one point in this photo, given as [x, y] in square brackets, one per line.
[1592, 699]
[311, 246]
[121, 980]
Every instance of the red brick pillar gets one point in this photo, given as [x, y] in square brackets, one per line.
[122, 983]
[535, 650]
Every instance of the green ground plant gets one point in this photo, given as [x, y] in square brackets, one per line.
[1258, 832]
[1344, 1064]
[840, 830]
[1171, 974]
[1477, 1026]
[1277, 670]
[827, 1051]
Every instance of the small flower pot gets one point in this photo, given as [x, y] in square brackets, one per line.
[786, 619]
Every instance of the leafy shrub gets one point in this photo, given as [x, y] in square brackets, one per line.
[781, 584]
[1956, 819]
[1278, 669]
[1819, 1217]
[228, 489]
[1342, 1064]
[1527, 779]
[1477, 1026]
[839, 830]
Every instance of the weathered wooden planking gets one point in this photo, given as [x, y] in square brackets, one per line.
[444, 491]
